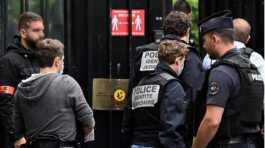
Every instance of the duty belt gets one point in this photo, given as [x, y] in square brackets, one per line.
[233, 140]
[236, 140]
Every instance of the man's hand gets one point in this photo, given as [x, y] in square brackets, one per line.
[90, 136]
[20, 142]
[208, 126]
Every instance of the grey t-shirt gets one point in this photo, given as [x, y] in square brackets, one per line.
[48, 106]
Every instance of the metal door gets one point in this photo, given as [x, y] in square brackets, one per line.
[97, 53]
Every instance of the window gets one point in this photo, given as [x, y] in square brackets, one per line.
[35, 6]
[13, 12]
[52, 12]
[2, 25]
[55, 19]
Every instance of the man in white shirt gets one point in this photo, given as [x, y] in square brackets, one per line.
[242, 36]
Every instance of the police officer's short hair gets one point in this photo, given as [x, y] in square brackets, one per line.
[48, 50]
[26, 18]
[176, 23]
[169, 50]
[227, 34]
[182, 6]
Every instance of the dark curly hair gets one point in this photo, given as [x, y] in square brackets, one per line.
[176, 23]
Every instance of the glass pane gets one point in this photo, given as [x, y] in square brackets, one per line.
[13, 12]
[55, 19]
[35, 6]
[2, 27]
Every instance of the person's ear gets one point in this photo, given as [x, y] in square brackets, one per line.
[56, 62]
[23, 33]
[190, 15]
[214, 38]
[177, 61]
[248, 39]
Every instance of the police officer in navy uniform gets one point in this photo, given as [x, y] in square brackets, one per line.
[231, 110]
[176, 26]
[17, 64]
[157, 103]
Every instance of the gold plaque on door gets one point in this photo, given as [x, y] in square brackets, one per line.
[109, 94]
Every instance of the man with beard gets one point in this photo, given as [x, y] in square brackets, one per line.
[231, 110]
[18, 63]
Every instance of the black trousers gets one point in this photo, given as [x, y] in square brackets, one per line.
[246, 142]
[6, 140]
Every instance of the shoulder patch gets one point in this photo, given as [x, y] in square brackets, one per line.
[213, 88]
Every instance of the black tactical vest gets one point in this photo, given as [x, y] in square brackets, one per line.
[245, 111]
[246, 52]
[143, 62]
[144, 103]
[145, 59]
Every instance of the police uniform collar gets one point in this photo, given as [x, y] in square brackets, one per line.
[164, 67]
[230, 53]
